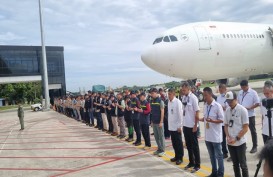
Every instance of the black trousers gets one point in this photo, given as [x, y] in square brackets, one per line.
[177, 144]
[253, 131]
[109, 118]
[192, 146]
[224, 143]
[137, 130]
[82, 113]
[238, 156]
[166, 129]
[87, 118]
[146, 134]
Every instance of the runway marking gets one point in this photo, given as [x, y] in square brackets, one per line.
[60, 157]
[55, 137]
[4, 143]
[51, 142]
[41, 149]
[100, 164]
[35, 169]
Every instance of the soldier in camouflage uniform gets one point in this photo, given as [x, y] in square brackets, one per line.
[21, 115]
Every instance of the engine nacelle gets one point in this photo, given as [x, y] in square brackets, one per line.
[231, 82]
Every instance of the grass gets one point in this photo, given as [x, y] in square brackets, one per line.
[3, 108]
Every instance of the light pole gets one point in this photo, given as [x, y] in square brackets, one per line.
[45, 76]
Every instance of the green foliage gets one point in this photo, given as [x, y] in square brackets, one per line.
[20, 91]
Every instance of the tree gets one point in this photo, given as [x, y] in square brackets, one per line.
[20, 91]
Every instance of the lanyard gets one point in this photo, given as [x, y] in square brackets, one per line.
[244, 96]
[208, 110]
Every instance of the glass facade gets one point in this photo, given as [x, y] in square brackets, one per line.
[27, 61]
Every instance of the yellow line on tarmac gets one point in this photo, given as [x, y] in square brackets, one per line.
[205, 171]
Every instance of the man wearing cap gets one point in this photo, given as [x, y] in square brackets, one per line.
[213, 119]
[157, 120]
[236, 126]
[250, 100]
[221, 99]
[135, 105]
[190, 123]
[175, 113]
[144, 119]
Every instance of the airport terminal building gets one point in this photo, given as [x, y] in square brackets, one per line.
[24, 64]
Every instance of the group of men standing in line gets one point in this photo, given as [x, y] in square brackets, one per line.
[226, 120]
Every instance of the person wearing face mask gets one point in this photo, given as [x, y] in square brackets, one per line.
[221, 99]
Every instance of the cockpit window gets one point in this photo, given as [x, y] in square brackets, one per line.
[166, 39]
[173, 38]
[158, 40]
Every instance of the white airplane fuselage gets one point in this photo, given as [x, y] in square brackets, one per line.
[213, 50]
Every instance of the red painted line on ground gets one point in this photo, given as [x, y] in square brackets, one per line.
[65, 157]
[99, 164]
[41, 142]
[67, 128]
[62, 122]
[35, 169]
[55, 137]
[38, 149]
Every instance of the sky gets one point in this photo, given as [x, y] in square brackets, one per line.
[103, 39]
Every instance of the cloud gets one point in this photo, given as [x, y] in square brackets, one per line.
[9, 36]
[103, 39]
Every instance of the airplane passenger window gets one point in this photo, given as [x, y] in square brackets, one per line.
[247, 35]
[238, 35]
[250, 35]
[227, 36]
[166, 39]
[244, 36]
[254, 36]
[173, 38]
[262, 36]
[224, 36]
[234, 35]
[241, 35]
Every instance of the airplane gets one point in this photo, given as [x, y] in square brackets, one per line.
[227, 52]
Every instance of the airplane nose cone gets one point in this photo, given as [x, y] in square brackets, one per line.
[148, 57]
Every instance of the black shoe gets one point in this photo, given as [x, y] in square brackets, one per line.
[178, 162]
[152, 134]
[225, 156]
[212, 175]
[138, 144]
[173, 159]
[253, 150]
[188, 166]
[195, 169]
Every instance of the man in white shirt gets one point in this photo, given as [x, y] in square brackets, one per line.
[236, 126]
[175, 115]
[250, 100]
[268, 93]
[190, 122]
[213, 119]
[221, 99]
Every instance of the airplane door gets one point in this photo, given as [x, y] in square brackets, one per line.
[203, 38]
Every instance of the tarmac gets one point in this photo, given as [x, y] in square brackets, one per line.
[54, 145]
